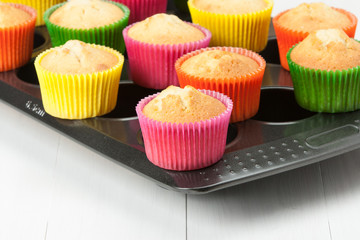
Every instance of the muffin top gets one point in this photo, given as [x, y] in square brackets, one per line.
[85, 14]
[177, 105]
[309, 17]
[327, 49]
[230, 6]
[12, 16]
[76, 57]
[164, 29]
[219, 64]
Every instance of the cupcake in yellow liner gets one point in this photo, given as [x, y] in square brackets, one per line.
[293, 25]
[325, 70]
[39, 5]
[79, 80]
[236, 23]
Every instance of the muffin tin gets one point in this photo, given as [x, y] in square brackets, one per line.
[281, 137]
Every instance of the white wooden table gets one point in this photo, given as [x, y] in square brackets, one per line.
[54, 188]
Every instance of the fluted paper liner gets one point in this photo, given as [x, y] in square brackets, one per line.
[248, 31]
[39, 5]
[243, 90]
[141, 9]
[153, 65]
[287, 38]
[325, 91]
[109, 35]
[16, 42]
[79, 96]
[185, 146]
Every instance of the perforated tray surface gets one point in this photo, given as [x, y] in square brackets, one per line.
[282, 136]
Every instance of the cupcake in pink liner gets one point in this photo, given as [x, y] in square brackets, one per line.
[153, 46]
[141, 9]
[184, 129]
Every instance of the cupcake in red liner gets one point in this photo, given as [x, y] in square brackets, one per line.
[293, 25]
[140, 9]
[154, 45]
[178, 144]
[16, 35]
[236, 72]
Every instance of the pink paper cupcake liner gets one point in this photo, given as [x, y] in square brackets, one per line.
[185, 146]
[140, 9]
[153, 65]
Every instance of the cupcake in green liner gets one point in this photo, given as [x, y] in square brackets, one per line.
[324, 68]
[91, 21]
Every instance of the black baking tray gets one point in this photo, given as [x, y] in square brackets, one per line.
[281, 137]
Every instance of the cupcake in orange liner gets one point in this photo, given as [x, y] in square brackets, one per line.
[184, 129]
[16, 35]
[287, 36]
[39, 5]
[243, 85]
[154, 45]
[79, 80]
[325, 70]
[239, 23]
[141, 9]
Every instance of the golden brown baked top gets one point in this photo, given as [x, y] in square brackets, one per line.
[76, 57]
[85, 14]
[12, 16]
[177, 105]
[230, 6]
[164, 29]
[329, 49]
[309, 17]
[219, 64]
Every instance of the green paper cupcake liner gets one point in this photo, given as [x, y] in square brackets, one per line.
[109, 35]
[325, 91]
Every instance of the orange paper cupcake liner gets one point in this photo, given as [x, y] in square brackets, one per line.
[39, 5]
[16, 42]
[244, 90]
[287, 38]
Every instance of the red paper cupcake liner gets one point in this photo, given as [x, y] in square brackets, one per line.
[287, 38]
[244, 90]
[185, 146]
[16, 42]
[152, 65]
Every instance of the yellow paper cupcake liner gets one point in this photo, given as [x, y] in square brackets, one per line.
[248, 31]
[79, 96]
[39, 5]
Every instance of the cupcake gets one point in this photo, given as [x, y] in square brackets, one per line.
[324, 68]
[184, 129]
[17, 26]
[234, 23]
[293, 25]
[79, 80]
[92, 21]
[236, 72]
[39, 5]
[153, 46]
[141, 9]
